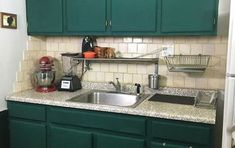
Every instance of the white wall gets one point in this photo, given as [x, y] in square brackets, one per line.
[223, 17]
[12, 44]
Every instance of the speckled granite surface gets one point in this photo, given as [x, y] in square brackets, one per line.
[146, 108]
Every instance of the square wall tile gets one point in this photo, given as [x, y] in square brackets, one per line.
[108, 77]
[128, 78]
[221, 49]
[113, 67]
[142, 48]
[147, 40]
[122, 68]
[123, 47]
[104, 67]
[132, 48]
[127, 39]
[208, 49]
[131, 68]
[141, 69]
[137, 78]
[100, 76]
[137, 40]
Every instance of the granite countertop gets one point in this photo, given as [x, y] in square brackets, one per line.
[146, 108]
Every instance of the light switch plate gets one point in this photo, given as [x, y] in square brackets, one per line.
[168, 50]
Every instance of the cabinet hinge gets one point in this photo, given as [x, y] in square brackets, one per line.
[214, 21]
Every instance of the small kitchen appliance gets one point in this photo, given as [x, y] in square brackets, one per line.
[70, 81]
[45, 76]
[88, 43]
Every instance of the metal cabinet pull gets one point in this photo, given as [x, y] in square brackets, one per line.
[106, 23]
[164, 144]
[110, 23]
[190, 147]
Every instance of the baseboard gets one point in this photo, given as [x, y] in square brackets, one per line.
[4, 132]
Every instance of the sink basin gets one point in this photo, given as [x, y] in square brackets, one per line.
[109, 98]
[173, 99]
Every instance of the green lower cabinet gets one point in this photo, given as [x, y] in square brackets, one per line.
[24, 134]
[40, 126]
[60, 137]
[113, 141]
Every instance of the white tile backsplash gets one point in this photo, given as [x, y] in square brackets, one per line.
[130, 47]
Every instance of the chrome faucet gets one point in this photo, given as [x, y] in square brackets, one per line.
[117, 86]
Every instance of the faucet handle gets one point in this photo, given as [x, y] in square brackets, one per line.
[137, 88]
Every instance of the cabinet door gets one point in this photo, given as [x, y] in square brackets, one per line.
[182, 16]
[133, 15]
[107, 141]
[60, 137]
[27, 134]
[85, 15]
[44, 16]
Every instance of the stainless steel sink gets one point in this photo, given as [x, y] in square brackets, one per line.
[109, 98]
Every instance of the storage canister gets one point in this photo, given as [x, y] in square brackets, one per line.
[153, 81]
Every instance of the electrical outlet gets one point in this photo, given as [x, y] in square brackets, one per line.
[167, 50]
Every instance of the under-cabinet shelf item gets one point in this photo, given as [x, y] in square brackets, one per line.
[187, 63]
[120, 60]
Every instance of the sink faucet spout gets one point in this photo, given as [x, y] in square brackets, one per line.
[117, 86]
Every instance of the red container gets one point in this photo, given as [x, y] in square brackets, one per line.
[89, 54]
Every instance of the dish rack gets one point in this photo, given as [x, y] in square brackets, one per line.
[206, 99]
[187, 63]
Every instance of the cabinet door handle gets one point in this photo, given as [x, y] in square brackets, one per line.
[110, 23]
[106, 23]
[163, 144]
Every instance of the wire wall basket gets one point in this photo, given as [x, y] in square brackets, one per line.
[187, 63]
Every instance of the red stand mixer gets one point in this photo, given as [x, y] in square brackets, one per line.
[45, 76]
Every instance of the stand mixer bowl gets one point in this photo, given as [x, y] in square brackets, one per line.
[45, 78]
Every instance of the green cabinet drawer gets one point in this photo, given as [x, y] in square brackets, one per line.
[113, 141]
[182, 131]
[60, 137]
[98, 120]
[27, 111]
[25, 134]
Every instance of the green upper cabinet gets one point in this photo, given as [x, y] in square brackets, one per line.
[122, 17]
[44, 16]
[188, 16]
[133, 15]
[85, 16]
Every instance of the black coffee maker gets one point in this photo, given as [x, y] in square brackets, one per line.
[88, 43]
